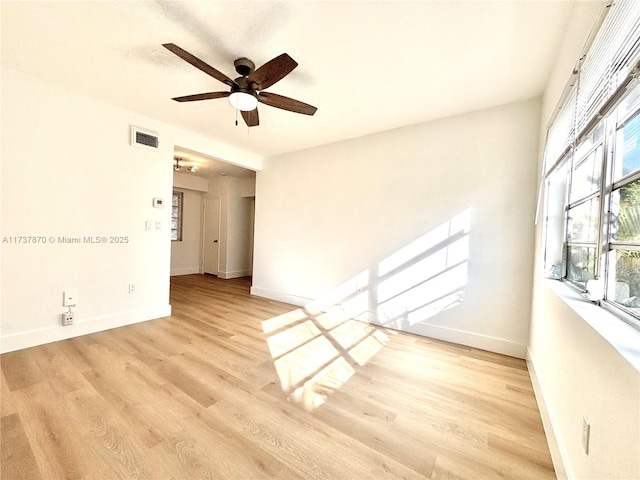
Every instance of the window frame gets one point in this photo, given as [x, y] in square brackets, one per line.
[575, 161]
[604, 245]
[615, 185]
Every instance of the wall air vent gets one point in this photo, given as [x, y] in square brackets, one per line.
[144, 139]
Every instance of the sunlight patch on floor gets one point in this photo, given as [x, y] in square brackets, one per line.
[292, 338]
[314, 352]
[281, 321]
[315, 391]
[314, 349]
[366, 349]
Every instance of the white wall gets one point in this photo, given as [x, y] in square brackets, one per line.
[331, 213]
[576, 371]
[240, 216]
[68, 170]
[190, 182]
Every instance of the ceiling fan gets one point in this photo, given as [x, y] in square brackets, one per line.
[248, 89]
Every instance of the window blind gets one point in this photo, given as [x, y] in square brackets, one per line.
[602, 71]
[561, 132]
[609, 60]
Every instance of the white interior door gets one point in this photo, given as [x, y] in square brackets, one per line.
[211, 247]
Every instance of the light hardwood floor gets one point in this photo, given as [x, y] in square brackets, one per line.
[234, 386]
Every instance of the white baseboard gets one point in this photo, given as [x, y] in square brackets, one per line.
[280, 297]
[235, 274]
[461, 337]
[557, 457]
[184, 271]
[31, 338]
[470, 339]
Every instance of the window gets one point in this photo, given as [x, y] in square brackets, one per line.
[592, 169]
[593, 209]
[623, 245]
[583, 209]
[176, 217]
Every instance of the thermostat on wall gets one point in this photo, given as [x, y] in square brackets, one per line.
[158, 203]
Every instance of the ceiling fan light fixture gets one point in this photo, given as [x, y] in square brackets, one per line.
[245, 102]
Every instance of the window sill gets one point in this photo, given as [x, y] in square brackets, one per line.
[618, 333]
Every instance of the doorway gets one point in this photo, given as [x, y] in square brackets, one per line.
[225, 212]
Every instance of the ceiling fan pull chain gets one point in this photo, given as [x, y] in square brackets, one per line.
[236, 117]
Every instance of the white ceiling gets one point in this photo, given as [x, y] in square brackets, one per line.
[368, 66]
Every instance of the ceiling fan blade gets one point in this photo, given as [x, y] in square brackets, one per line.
[251, 118]
[202, 96]
[196, 62]
[286, 103]
[272, 71]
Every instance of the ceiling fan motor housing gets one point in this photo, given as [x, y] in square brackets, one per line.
[243, 85]
[244, 66]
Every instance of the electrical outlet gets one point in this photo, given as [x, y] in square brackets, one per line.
[586, 432]
[132, 288]
[67, 318]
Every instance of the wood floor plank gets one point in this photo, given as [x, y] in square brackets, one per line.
[324, 453]
[17, 461]
[76, 351]
[236, 386]
[58, 369]
[20, 370]
[182, 378]
[55, 440]
[109, 437]
[373, 426]
[234, 457]
[7, 403]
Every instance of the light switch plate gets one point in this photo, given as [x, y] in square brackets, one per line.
[70, 297]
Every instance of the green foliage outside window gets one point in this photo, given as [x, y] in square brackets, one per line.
[628, 261]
